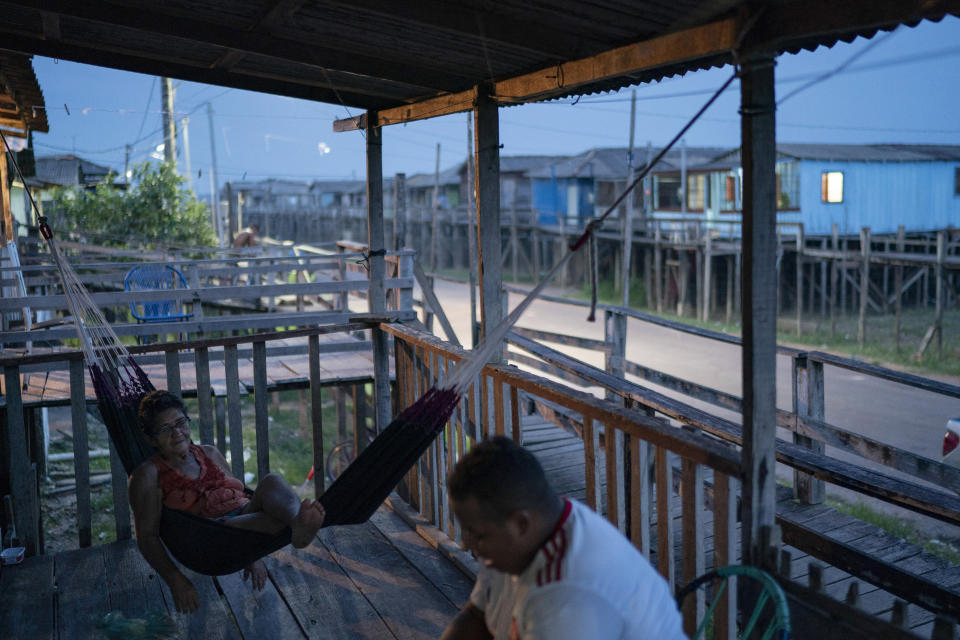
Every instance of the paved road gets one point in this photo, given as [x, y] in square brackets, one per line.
[895, 414]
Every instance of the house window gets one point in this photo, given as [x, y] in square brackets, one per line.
[730, 189]
[956, 182]
[788, 186]
[831, 186]
[696, 192]
[668, 192]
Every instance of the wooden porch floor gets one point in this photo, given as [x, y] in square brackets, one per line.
[376, 580]
[561, 454]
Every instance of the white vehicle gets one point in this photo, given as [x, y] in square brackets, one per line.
[951, 443]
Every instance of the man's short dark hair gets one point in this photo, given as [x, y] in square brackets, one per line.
[502, 476]
[154, 403]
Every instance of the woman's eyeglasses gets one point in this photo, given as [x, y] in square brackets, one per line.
[183, 424]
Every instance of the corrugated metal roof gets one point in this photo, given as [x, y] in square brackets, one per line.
[379, 54]
[842, 153]
[611, 163]
[448, 176]
[19, 83]
[68, 170]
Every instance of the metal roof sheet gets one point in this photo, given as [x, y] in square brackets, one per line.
[379, 54]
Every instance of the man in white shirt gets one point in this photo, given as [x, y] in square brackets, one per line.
[551, 569]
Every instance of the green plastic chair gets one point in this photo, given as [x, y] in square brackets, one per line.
[779, 623]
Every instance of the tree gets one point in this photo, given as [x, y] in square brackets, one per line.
[154, 210]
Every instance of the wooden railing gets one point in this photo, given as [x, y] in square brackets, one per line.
[218, 415]
[315, 284]
[620, 444]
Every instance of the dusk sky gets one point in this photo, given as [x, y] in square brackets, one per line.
[899, 87]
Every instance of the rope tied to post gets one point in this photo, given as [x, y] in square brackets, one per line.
[365, 260]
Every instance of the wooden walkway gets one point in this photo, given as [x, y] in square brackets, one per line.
[379, 580]
[561, 454]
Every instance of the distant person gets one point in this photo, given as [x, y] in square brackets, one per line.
[247, 237]
[551, 568]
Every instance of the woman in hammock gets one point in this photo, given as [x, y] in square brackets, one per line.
[196, 479]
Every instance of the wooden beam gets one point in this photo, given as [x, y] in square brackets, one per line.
[759, 303]
[715, 39]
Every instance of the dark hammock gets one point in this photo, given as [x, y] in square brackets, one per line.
[214, 548]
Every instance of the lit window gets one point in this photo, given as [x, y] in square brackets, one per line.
[831, 186]
[696, 191]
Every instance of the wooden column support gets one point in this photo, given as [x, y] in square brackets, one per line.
[759, 302]
[487, 145]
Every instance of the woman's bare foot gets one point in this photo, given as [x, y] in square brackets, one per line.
[306, 523]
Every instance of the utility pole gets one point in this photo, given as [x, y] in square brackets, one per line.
[436, 204]
[184, 124]
[169, 127]
[628, 212]
[126, 165]
[214, 185]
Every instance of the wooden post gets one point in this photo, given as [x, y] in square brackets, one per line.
[898, 287]
[23, 484]
[824, 262]
[709, 297]
[234, 424]
[731, 278]
[260, 405]
[434, 222]
[658, 266]
[204, 400]
[759, 308]
[316, 415]
[808, 403]
[81, 454]
[938, 313]
[377, 296]
[487, 145]
[400, 212]
[800, 246]
[834, 279]
[864, 285]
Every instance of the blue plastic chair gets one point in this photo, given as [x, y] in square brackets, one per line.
[156, 278]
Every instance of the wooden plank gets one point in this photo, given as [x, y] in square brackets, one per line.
[591, 479]
[28, 593]
[23, 486]
[664, 488]
[133, 586]
[453, 583]
[316, 418]
[408, 604]
[81, 452]
[259, 614]
[321, 597]
[79, 603]
[724, 551]
[693, 543]
[261, 409]
[204, 399]
[121, 504]
[235, 425]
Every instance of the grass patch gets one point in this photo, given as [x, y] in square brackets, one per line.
[899, 527]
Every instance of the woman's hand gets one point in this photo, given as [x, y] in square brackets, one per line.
[185, 595]
[257, 572]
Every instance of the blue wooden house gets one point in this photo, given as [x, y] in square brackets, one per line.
[576, 188]
[881, 186]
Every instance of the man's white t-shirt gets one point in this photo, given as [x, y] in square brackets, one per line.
[587, 582]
